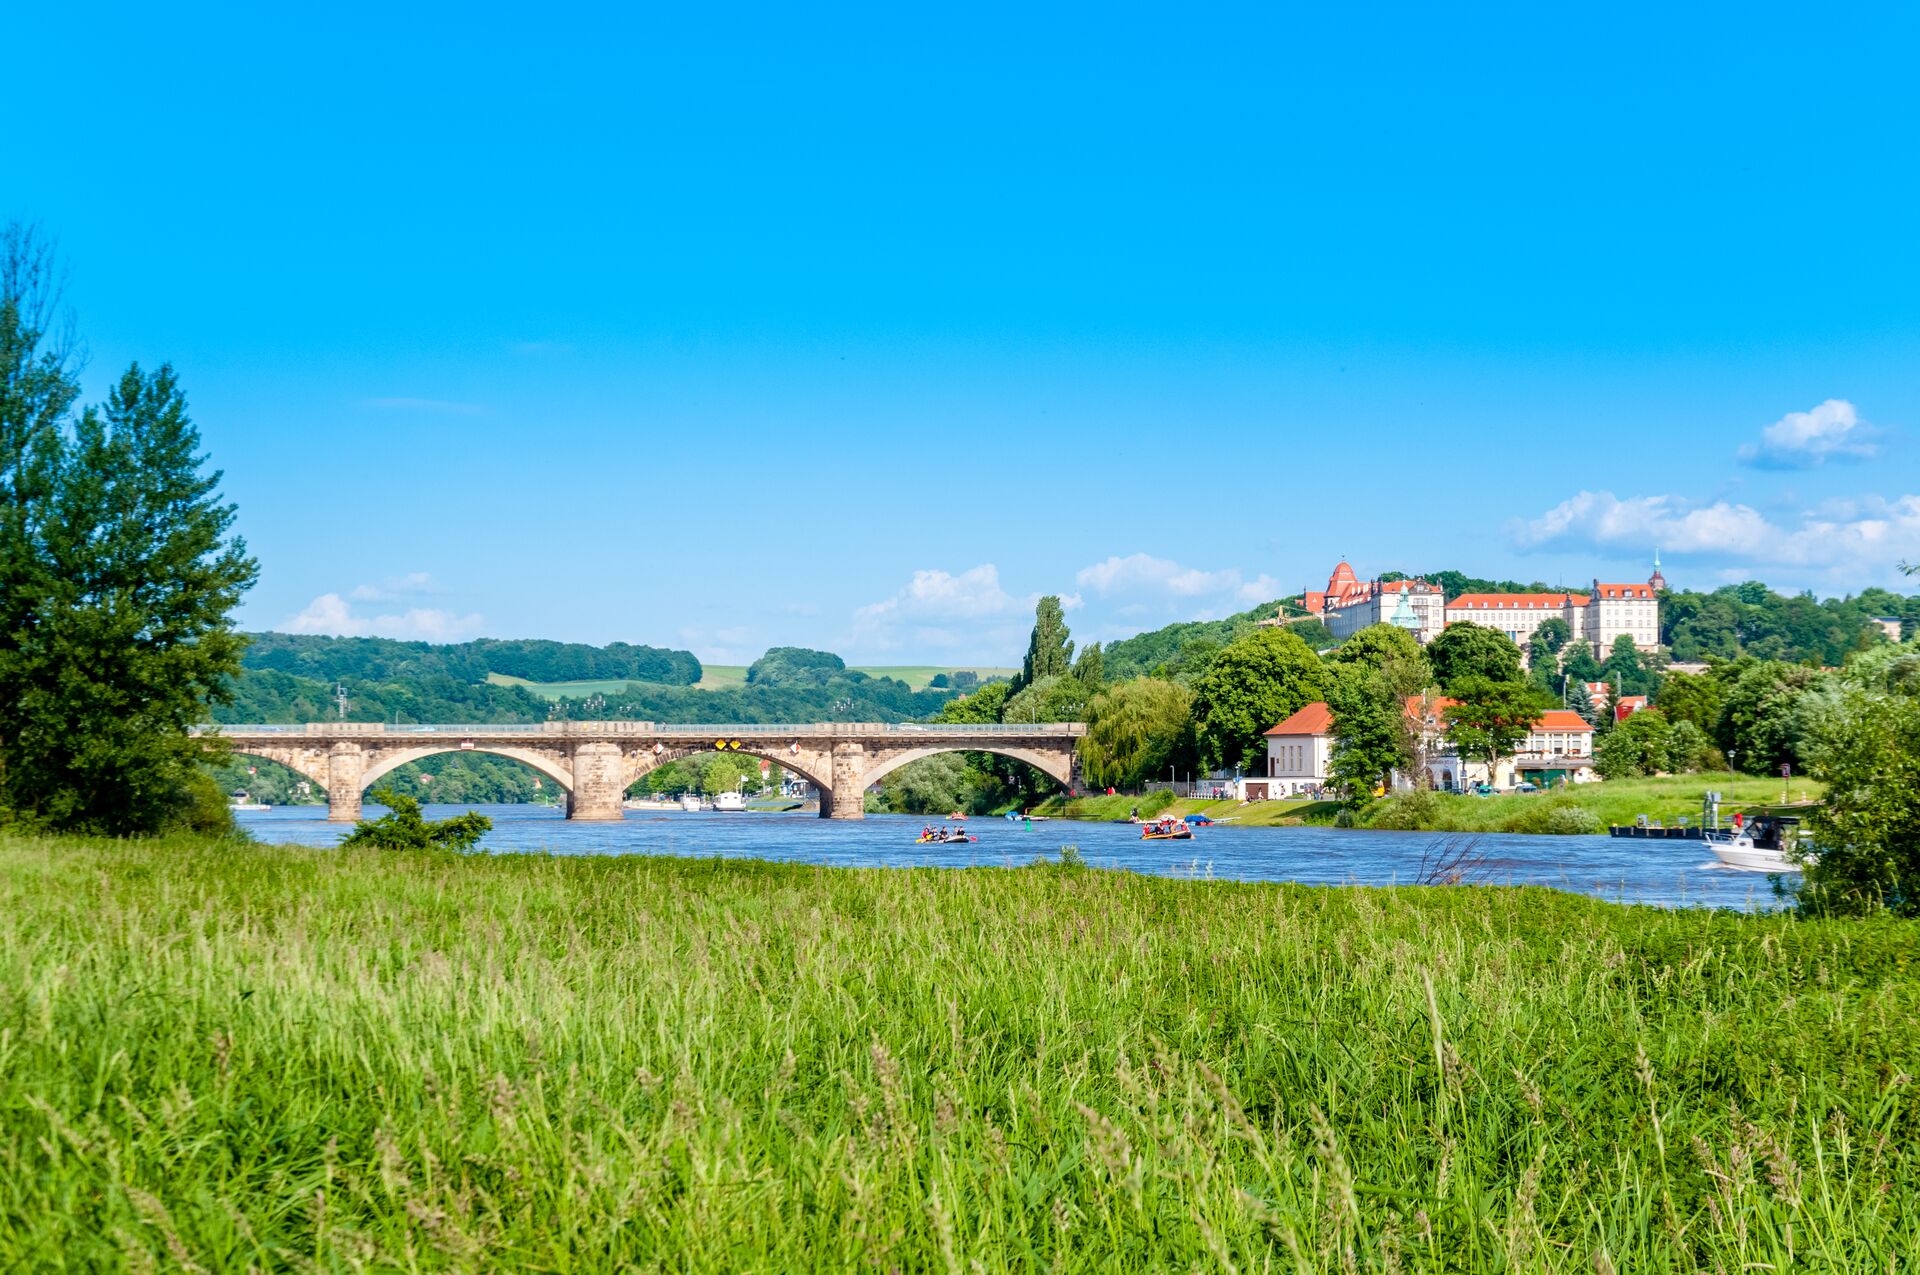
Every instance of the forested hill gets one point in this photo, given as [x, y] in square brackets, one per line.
[785, 685]
[387, 659]
[1730, 622]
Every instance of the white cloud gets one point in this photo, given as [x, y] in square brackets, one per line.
[411, 585]
[332, 614]
[939, 612]
[1143, 575]
[1856, 541]
[1801, 440]
[938, 595]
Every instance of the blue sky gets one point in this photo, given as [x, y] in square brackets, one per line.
[729, 326]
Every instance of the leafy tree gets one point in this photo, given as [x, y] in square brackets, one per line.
[1135, 730]
[1577, 662]
[1372, 735]
[985, 705]
[403, 828]
[118, 628]
[1389, 649]
[1088, 669]
[1191, 662]
[1464, 651]
[1255, 682]
[1314, 633]
[1627, 669]
[1554, 633]
[1757, 721]
[1868, 829]
[1691, 697]
[795, 666]
[1689, 749]
[1489, 719]
[1049, 652]
[1055, 698]
[1638, 746]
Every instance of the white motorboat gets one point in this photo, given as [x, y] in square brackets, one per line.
[248, 805]
[729, 801]
[690, 802]
[1759, 846]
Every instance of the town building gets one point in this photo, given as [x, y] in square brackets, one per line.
[1559, 747]
[1889, 625]
[1299, 752]
[1597, 617]
[1349, 604]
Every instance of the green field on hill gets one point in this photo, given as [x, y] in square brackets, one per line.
[232, 1057]
[719, 677]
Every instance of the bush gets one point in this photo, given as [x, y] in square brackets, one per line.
[201, 806]
[402, 827]
[1567, 821]
[1410, 812]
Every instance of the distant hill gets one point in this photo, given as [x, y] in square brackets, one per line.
[532, 659]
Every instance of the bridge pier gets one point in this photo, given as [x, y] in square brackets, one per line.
[599, 782]
[848, 800]
[345, 764]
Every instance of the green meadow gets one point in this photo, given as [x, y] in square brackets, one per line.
[228, 1057]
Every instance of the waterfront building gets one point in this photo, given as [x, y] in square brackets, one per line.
[1559, 746]
[1300, 751]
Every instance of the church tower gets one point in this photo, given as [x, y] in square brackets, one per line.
[1657, 582]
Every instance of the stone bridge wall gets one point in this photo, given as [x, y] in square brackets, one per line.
[596, 762]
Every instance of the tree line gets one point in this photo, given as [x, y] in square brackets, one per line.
[373, 659]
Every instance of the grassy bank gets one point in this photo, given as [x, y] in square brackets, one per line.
[1666, 798]
[261, 1057]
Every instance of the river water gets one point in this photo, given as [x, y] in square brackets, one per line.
[1669, 873]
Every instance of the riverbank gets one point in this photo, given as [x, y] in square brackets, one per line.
[234, 1055]
[1583, 808]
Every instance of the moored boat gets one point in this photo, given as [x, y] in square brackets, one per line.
[690, 802]
[729, 801]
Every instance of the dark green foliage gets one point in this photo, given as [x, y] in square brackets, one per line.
[1463, 651]
[1135, 731]
[1867, 833]
[1577, 662]
[1626, 670]
[1387, 649]
[1581, 701]
[1160, 652]
[1059, 697]
[1757, 721]
[334, 659]
[1490, 718]
[1049, 650]
[1373, 735]
[1257, 682]
[1638, 746]
[1752, 620]
[403, 828]
[1691, 697]
[122, 577]
[1090, 669]
[795, 666]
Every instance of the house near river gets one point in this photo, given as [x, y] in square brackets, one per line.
[1558, 748]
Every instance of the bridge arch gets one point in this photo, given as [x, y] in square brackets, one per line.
[542, 762]
[1052, 765]
[645, 761]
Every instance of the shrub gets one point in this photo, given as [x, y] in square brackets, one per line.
[403, 828]
[1573, 821]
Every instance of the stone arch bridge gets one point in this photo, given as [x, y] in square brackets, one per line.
[596, 762]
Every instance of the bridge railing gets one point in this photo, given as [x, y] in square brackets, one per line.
[599, 730]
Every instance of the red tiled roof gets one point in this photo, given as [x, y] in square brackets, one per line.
[1562, 719]
[1623, 590]
[1516, 601]
[1315, 719]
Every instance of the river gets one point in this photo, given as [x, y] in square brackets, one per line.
[1668, 873]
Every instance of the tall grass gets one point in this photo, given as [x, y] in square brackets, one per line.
[225, 1058]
